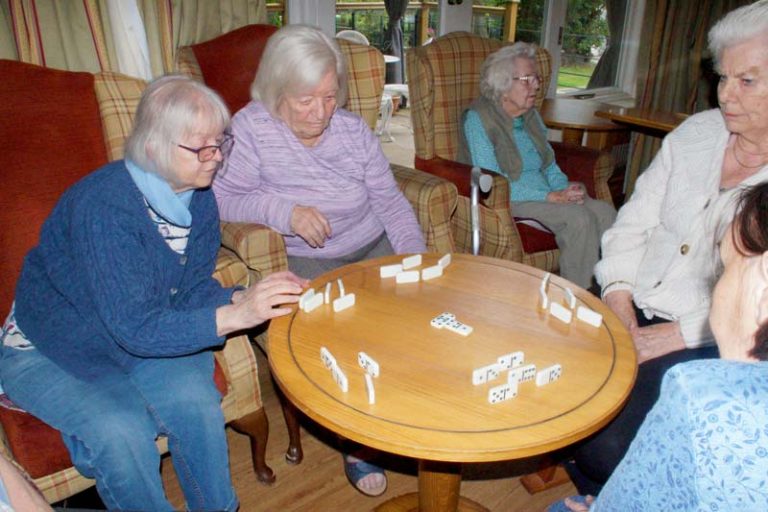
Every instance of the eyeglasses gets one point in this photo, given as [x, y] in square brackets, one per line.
[208, 153]
[528, 79]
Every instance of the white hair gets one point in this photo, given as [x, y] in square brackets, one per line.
[499, 68]
[295, 60]
[739, 26]
[172, 107]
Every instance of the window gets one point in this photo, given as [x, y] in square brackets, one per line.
[593, 44]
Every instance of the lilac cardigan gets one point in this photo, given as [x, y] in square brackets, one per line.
[346, 177]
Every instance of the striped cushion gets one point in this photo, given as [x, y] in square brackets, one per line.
[118, 97]
[365, 80]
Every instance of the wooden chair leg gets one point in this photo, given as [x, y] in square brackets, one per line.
[550, 475]
[294, 454]
[256, 426]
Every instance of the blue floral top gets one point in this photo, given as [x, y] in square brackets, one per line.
[703, 446]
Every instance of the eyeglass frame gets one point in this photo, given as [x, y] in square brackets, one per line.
[528, 79]
[228, 139]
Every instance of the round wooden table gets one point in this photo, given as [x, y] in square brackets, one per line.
[426, 405]
[577, 117]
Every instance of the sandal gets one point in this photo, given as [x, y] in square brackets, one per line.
[358, 470]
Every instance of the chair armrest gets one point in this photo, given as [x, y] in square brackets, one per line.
[238, 362]
[261, 249]
[499, 237]
[433, 200]
[587, 165]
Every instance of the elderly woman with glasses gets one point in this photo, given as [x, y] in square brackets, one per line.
[110, 336]
[505, 134]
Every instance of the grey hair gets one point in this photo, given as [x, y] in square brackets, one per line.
[738, 26]
[172, 107]
[295, 60]
[499, 68]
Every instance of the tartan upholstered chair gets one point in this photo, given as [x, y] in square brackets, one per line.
[432, 198]
[59, 126]
[443, 79]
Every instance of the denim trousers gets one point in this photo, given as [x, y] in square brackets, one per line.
[110, 425]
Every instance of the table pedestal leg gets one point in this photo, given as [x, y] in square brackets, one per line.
[573, 136]
[439, 485]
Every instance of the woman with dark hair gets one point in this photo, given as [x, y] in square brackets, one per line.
[704, 445]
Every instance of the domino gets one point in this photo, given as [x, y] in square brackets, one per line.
[586, 315]
[511, 360]
[305, 296]
[445, 260]
[327, 358]
[368, 364]
[341, 287]
[431, 272]
[459, 328]
[370, 389]
[344, 302]
[313, 302]
[543, 291]
[442, 320]
[502, 393]
[561, 312]
[409, 276]
[340, 378]
[571, 298]
[412, 261]
[327, 294]
[549, 374]
[522, 373]
[485, 374]
[390, 270]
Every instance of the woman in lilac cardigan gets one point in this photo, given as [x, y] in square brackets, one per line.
[308, 169]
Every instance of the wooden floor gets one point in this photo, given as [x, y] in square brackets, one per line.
[319, 484]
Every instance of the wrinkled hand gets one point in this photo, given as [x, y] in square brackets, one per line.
[657, 340]
[259, 303]
[310, 224]
[621, 304]
[576, 192]
[573, 193]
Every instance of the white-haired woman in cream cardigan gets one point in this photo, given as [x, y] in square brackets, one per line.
[659, 260]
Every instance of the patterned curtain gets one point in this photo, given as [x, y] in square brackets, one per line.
[171, 24]
[673, 64]
[102, 35]
[56, 34]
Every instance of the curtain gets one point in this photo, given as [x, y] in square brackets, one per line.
[56, 34]
[604, 74]
[673, 63]
[394, 34]
[136, 37]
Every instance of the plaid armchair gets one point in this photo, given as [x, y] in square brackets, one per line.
[62, 126]
[444, 78]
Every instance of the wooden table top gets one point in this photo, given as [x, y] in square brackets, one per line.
[566, 113]
[426, 406]
[638, 118]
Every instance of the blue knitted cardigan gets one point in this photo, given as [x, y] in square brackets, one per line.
[103, 290]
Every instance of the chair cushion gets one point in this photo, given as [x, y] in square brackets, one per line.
[229, 62]
[52, 126]
[534, 240]
[37, 447]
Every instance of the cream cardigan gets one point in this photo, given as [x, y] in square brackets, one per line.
[663, 246]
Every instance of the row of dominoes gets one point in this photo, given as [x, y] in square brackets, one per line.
[311, 300]
[448, 321]
[365, 361]
[564, 314]
[518, 373]
[402, 273]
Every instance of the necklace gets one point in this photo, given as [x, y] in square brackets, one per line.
[741, 147]
[733, 152]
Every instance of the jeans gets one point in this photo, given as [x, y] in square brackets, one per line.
[110, 425]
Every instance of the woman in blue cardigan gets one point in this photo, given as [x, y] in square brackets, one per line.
[110, 337]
